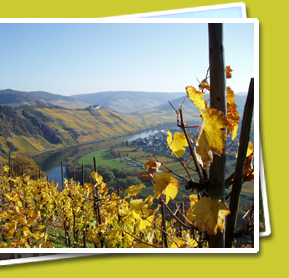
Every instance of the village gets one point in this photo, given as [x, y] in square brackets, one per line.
[143, 147]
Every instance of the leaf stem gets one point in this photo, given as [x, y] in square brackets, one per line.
[191, 148]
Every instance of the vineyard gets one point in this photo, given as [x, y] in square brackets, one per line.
[37, 213]
[34, 214]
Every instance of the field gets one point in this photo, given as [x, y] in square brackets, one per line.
[102, 158]
[131, 158]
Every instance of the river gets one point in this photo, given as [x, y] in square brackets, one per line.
[51, 163]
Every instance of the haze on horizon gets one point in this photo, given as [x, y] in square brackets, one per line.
[73, 58]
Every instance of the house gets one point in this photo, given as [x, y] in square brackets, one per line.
[94, 107]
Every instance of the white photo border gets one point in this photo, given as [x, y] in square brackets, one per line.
[256, 137]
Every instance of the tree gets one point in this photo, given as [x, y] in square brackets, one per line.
[23, 165]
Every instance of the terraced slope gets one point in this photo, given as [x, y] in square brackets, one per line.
[28, 130]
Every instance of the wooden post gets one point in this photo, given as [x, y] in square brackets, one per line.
[82, 171]
[240, 165]
[118, 188]
[96, 206]
[218, 100]
[39, 170]
[9, 160]
[94, 163]
[165, 238]
[62, 177]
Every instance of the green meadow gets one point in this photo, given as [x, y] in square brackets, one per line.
[102, 158]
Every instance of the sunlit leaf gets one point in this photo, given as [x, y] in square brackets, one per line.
[166, 184]
[144, 223]
[177, 145]
[228, 72]
[208, 214]
[136, 204]
[134, 190]
[249, 165]
[204, 85]
[232, 114]
[153, 167]
[211, 138]
[196, 97]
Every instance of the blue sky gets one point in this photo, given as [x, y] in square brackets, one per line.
[68, 59]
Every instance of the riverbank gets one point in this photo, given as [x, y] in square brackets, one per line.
[56, 149]
[131, 133]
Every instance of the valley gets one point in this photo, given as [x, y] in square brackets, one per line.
[40, 122]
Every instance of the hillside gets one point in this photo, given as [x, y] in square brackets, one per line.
[31, 129]
[19, 98]
[127, 102]
[165, 113]
[28, 130]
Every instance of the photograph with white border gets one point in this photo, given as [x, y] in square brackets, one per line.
[151, 55]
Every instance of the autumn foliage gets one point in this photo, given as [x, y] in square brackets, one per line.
[91, 216]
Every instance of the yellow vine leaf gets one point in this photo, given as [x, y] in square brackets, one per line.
[26, 232]
[185, 242]
[177, 145]
[37, 235]
[209, 215]
[97, 177]
[211, 139]
[149, 200]
[136, 204]
[249, 166]
[153, 167]
[193, 199]
[150, 236]
[6, 169]
[234, 132]
[204, 85]
[232, 114]
[179, 241]
[196, 97]
[11, 228]
[145, 223]
[250, 149]
[47, 244]
[134, 190]
[165, 183]
[102, 187]
[228, 72]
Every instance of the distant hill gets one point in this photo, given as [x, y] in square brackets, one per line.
[19, 98]
[164, 113]
[240, 100]
[127, 102]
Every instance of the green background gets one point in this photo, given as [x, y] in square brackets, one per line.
[272, 257]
